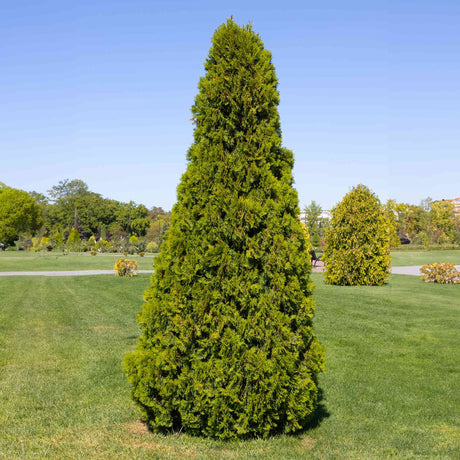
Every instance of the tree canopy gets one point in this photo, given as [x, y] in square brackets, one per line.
[18, 213]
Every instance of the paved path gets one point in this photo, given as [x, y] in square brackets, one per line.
[67, 273]
[410, 270]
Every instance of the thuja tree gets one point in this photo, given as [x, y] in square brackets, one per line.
[357, 248]
[227, 346]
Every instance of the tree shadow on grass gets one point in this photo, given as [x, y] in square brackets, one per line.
[319, 415]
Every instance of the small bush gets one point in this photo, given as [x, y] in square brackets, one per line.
[442, 273]
[152, 246]
[93, 252]
[141, 254]
[357, 251]
[125, 267]
[102, 246]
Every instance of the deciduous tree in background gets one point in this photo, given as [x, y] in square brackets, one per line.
[227, 346]
[18, 213]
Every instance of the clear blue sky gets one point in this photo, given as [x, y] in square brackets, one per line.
[102, 90]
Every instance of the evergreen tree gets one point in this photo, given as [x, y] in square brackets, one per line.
[73, 240]
[357, 248]
[227, 346]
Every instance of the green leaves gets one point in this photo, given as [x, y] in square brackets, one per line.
[357, 248]
[18, 213]
[227, 346]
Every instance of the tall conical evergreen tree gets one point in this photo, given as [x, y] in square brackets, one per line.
[227, 346]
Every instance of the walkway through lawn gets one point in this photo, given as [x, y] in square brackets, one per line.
[409, 270]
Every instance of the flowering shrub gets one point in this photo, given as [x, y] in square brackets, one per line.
[442, 273]
[125, 267]
[102, 246]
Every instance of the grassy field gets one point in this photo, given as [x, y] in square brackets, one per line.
[39, 261]
[390, 389]
[401, 258]
[36, 261]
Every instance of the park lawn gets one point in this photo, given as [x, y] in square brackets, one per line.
[390, 389]
[57, 261]
[405, 258]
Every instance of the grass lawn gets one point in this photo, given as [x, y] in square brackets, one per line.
[40, 261]
[390, 389]
[401, 258]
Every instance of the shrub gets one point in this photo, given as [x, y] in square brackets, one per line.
[74, 240]
[91, 241]
[133, 239]
[227, 347]
[152, 246]
[442, 273]
[93, 252]
[57, 240]
[141, 254]
[357, 251]
[45, 244]
[102, 246]
[125, 267]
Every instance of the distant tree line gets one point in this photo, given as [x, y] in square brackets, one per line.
[427, 224]
[73, 217]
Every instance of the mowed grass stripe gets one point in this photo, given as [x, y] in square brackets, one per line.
[390, 389]
[393, 368]
[51, 261]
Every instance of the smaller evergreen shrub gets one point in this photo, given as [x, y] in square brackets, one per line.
[93, 252]
[442, 273]
[57, 240]
[91, 241]
[125, 267]
[141, 254]
[133, 239]
[74, 240]
[357, 251]
[152, 246]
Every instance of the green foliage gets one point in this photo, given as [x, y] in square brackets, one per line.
[357, 248]
[442, 221]
[442, 273]
[313, 222]
[57, 240]
[73, 240]
[125, 267]
[102, 246]
[152, 246]
[133, 239]
[45, 244]
[227, 347]
[18, 213]
[92, 241]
